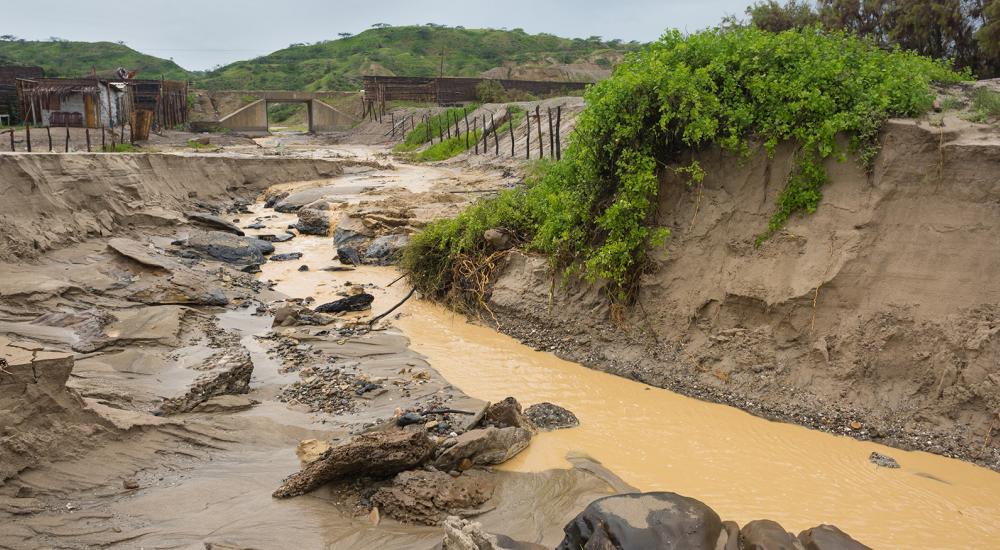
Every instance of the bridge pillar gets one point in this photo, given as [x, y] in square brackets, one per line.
[249, 118]
[324, 118]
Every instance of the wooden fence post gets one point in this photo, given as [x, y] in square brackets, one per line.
[12, 140]
[475, 136]
[527, 135]
[552, 137]
[486, 134]
[511, 136]
[458, 131]
[440, 130]
[27, 134]
[48, 131]
[465, 115]
[104, 131]
[558, 132]
[496, 138]
[538, 124]
[67, 137]
[86, 132]
[392, 120]
[447, 120]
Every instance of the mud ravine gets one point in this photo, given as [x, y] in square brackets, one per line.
[191, 382]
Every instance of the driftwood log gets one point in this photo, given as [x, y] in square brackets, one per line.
[376, 454]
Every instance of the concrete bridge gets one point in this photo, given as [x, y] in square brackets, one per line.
[323, 116]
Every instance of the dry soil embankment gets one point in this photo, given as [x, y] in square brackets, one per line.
[49, 200]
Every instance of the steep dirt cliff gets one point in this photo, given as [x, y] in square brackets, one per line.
[877, 316]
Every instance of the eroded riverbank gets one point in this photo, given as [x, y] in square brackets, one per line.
[207, 475]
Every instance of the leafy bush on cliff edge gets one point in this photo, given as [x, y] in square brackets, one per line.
[592, 212]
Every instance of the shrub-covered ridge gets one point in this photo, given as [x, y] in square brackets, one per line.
[593, 211]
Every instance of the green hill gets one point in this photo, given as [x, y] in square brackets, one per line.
[76, 59]
[402, 51]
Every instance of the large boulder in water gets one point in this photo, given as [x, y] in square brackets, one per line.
[659, 520]
[829, 537]
[547, 416]
[764, 534]
[228, 248]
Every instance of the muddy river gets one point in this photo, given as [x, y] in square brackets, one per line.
[742, 466]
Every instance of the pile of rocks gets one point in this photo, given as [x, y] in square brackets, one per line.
[668, 520]
[326, 389]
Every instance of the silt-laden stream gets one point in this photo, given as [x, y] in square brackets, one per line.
[742, 466]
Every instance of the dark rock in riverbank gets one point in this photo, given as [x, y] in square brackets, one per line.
[386, 250]
[764, 534]
[377, 454]
[228, 248]
[265, 247]
[358, 302]
[214, 222]
[645, 520]
[547, 416]
[313, 222]
[829, 537]
[287, 257]
[671, 521]
[348, 255]
[277, 238]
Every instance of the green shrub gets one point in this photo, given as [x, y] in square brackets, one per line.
[985, 104]
[593, 211]
[448, 148]
[418, 136]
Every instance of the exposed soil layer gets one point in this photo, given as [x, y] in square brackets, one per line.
[875, 317]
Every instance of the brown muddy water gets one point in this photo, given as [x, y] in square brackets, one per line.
[742, 466]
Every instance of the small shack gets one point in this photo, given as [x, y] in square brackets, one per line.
[73, 102]
[95, 102]
[9, 104]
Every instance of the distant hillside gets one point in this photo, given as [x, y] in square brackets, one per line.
[409, 51]
[75, 59]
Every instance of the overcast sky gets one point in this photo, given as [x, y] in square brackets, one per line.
[202, 34]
